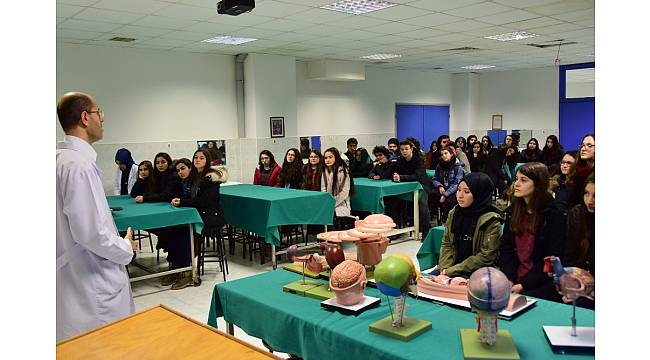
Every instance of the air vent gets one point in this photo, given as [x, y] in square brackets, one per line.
[544, 46]
[464, 48]
[122, 39]
[437, 68]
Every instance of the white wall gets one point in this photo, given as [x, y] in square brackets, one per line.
[528, 99]
[150, 95]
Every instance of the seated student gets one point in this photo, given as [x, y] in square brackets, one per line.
[393, 147]
[584, 167]
[336, 180]
[477, 161]
[509, 164]
[472, 230]
[351, 144]
[563, 192]
[304, 149]
[432, 157]
[290, 176]
[449, 173]
[461, 144]
[417, 150]
[267, 170]
[362, 163]
[552, 154]
[126, 174]
[461, 156]
[443, 141]
[384, 168]
[201, 190]
[146, 181]
[531, 153]
[312, 171]
[493, 162]
[470, 141]
[580, 249]
[507, 143]
[409, 167]
[535, 228]
[168, 185]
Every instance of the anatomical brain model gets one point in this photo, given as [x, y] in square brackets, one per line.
[348, 281]
[488, 292]
[395, 276]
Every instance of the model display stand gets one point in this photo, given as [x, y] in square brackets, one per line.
[410, 328]
[368, 302]
[297, 267]
[321, 292]
[473, 348]
[571, 283]
[300, 287]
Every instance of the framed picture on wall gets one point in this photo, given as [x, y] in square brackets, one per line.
[497, 122]
[277, 126]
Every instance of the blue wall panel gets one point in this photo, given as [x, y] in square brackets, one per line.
[577, 118]
[436, 123]
[409, 121]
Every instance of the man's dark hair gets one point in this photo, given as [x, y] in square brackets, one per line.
[380, 149]
[415, 143]
[393, 141]
[352, 141]
[70, 107]
[406, 142]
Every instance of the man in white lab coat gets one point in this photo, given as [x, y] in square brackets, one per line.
[92, 285]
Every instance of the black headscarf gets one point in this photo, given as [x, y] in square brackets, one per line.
[465, 219]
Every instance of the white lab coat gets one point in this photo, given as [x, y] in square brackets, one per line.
[133, 177]
[92, 285]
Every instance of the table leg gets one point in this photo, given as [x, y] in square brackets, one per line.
[416, 213]
[194, 275]
[230, 328]
[274, 261]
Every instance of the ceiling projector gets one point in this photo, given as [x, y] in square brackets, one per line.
[235, 7]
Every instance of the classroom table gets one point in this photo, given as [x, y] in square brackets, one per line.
[157, 333]
[429, 252]
[146, 216]
[369, 196]
[299, 325]
[260, 209]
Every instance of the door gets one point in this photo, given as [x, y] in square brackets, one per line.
[423, 122]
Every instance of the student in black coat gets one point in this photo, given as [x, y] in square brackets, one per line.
[410, 167]
[168, 185]
[493, 161]
[146, 181]
[534, 229]
[384, 169]
[532, 152]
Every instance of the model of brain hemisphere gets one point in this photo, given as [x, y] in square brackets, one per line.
[394, 273]
[347, 273]
[488, 289]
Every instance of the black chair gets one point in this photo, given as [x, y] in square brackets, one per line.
[213, 239]
[139, 236]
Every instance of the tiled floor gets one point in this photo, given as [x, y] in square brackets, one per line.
[195, 301]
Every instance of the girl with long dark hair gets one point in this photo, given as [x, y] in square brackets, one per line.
[563, 192]
[552, 153]
[312, 171]
[584, 166]
[146, 181]
[461, 143]
[337, 181]
[535, 228]
[291, 173]
[448, 175]
[267, 170]
[532, 152]
[477, 160]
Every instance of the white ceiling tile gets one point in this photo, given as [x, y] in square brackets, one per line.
[463, 26]
[187, 35]
[478, 10]
[114, 44]
[389, 39]
[432, 20]
[396, 13]
[65, 11]
[164, 22]
[322, 30]
[208, 4]
[138, 31]
[277, 9]
[254, 32]
[166, 42]
[525, 3]
[283, 25]
[210, 27]
[450, 38]
[579, 34]
[139, 7]
[320, 16]
[423, 33]
[241, 20]
[188, 12]
[441, 5]
[78, 2]
[577, 15]
[59, 20]
[561, 7]
[312, 3]
[292, 37]
[392, 28]
[416, 43]
[116, 17]
[357, 22]
[556, 29]
[264, 43]
[97, 26]
[534, 23]
[77, 34]
[586, 23]
[356, 35]
[508, 17]
[493, 30]
[138, 39]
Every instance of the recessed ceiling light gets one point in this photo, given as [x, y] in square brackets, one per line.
[381, 56]
[477, 67]
[517, 35]
[228, 40]
[357, 7]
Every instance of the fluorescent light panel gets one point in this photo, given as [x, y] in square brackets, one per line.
[381, 56]
[228, 40]
[357, 7]
[477, 67]
[517, 35]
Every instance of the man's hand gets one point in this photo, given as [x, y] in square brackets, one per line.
[176, 202]
[129, 236]
[396, 177]
[139, 199]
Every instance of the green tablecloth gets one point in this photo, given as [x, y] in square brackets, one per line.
[429, 252]
[430, 175]
[261, 209]
[298, 325]
[369, 194]
[151, 215]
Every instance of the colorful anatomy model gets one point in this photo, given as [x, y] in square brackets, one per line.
[313, 262]
[488, 292]
[571, 283]
[395, 276]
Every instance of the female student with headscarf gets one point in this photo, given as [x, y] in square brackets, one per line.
[472, 230]
[126, 174]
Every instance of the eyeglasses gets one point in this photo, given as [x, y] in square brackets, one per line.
[98, 111]
[589, 146]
